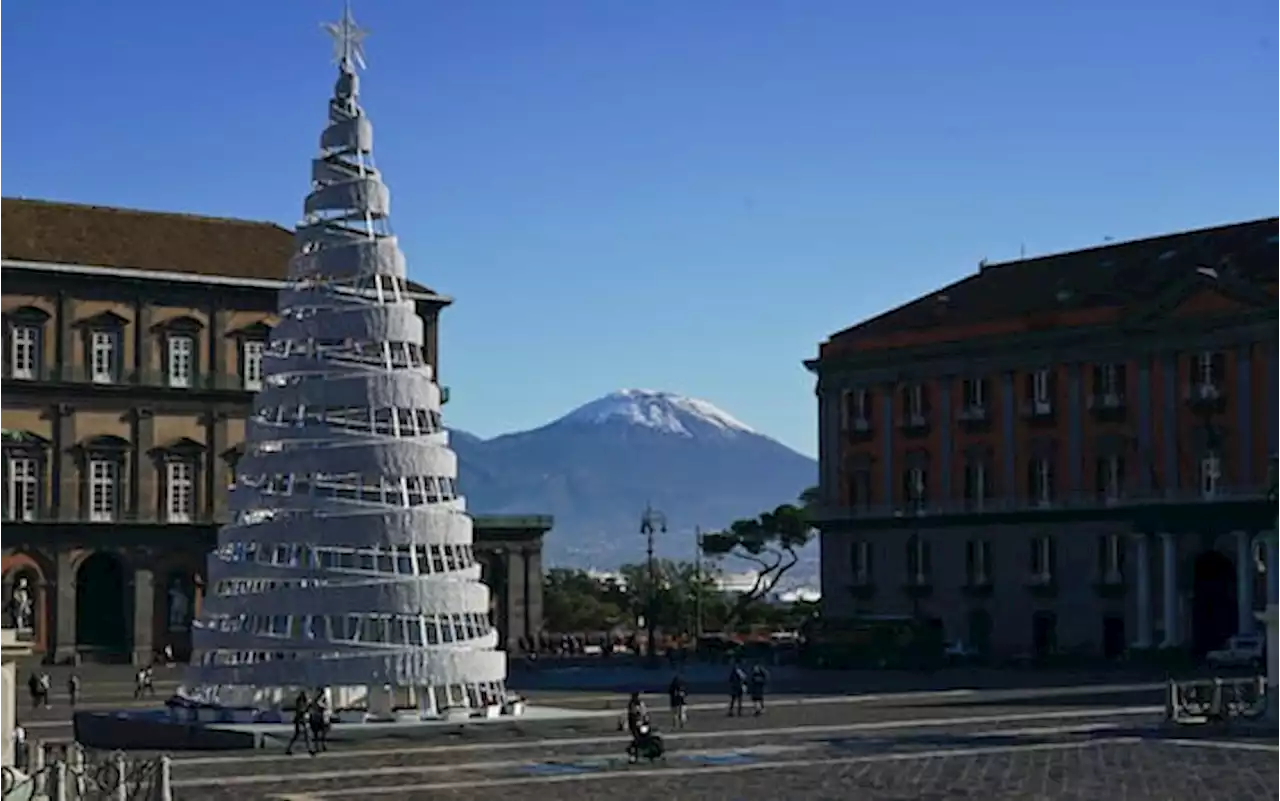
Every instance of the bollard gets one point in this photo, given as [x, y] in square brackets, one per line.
[1171, 701]
[59, 781]
[39, 779]
[164, 787]
[122, 777]
[1215, 703]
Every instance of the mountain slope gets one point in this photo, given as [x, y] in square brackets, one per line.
[597, 467]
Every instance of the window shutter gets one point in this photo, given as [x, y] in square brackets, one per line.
[970, 558]
[1031, 478]
[968, 482]
[1030, 385]
[1034, 553]
[1100, 475]
[1097, 379]
[1103, 547]
[924, 400]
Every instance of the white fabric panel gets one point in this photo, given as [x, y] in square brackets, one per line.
[360, 196]
[390, 322]
[392, 457]
[353, 134]
[318, 433]
[404, 594]
[435, 524]
[302, 507]
[312, 648]
[423, 666]
[220, 570]
[327, 171]
[402, 389]
[296, 364]
[352, 259]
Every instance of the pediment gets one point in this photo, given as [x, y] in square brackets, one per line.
[104, 319]
[1201, 292]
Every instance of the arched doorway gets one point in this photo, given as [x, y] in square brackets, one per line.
[1213, 602]
[102, 620]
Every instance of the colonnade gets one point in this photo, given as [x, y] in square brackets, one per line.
[1170, 607]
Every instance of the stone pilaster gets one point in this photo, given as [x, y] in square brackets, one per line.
[64, 609]
[143, 342]
[65, 480]
[515, 591]
[144, 612]
[146, 503]
[67, 355]
[533, 591]
[215, 495]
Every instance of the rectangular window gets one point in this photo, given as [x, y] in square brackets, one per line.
[252, 365]
[861, 563]
[1210, 475]
[180, 489]
[23, 493]
[1110, 558]
[915, 403]
[916, 487]
[1042, 559]
[24, 349]
[919, 560]
[1041, 393]
[977, 486]
[975, 393]
[102, 357]
[860, 488]
[181, 361]
[1041, 481]
[1111, 477]
[977, 557]
[102, 490]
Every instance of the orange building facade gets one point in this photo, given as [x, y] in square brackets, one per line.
[1067, 453]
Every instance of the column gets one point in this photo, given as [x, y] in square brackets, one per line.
[66, 477]
[144, 613]
[1169, 588]
[515, 588]
[1142, 590]
[1272, 564]
[1244, 583]
[533, 591]
[64, 610]
[215, 479]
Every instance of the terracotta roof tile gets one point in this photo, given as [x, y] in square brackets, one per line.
[1106, 276]
[104, 236]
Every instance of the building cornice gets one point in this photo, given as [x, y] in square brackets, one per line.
[135, 274]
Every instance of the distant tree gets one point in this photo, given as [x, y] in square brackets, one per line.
[575, 601]
[771, 542]
[810, 498]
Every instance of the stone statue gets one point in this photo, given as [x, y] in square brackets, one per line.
[21, 607]
[179, 606]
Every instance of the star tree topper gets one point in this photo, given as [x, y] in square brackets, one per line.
[348, 39]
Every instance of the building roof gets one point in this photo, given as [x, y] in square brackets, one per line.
[1113, 275]
[53, 232]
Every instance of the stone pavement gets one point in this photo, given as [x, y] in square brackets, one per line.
[1094, 743]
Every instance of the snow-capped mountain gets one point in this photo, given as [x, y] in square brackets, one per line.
[665, 412]
[597, 467]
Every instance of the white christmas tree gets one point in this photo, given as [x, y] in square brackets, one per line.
[349, 564]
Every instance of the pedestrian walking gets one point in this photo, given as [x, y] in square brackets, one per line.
[320, 721]
[679, 695]
[301, 710]
[139, 683]
[73, 688]
[737, 688]
[149, 680]
[19, 739]
[45, 684]
[33, 687]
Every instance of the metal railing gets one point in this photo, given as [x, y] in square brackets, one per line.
[72, 773]
[154, 379]
[1204, 701]
[1076, 501]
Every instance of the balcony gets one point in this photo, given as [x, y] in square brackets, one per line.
[915, 425]
[1162, 505]
[1108, 407]
[858, 429]
[81, 376]
[978, 585]
[1040, 412]
[918, 585]
[1110, 584]
[1041, 584]
[1205, 397]
[974, 418]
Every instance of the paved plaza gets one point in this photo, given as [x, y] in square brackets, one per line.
[1101, 741]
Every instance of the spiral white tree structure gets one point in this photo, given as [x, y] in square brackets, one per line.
[349, 564]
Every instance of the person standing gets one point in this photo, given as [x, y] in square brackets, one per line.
[73, 688]
[737, 688]
[679, 695]
[319, 721]
[759, 679]
[45, 685]
[33, 687]
[301, 710]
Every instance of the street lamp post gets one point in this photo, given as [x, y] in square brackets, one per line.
[653, 522]
[697, 589]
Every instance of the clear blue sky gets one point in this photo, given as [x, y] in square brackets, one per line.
[671, 194]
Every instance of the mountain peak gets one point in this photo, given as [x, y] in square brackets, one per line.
[665, 412]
